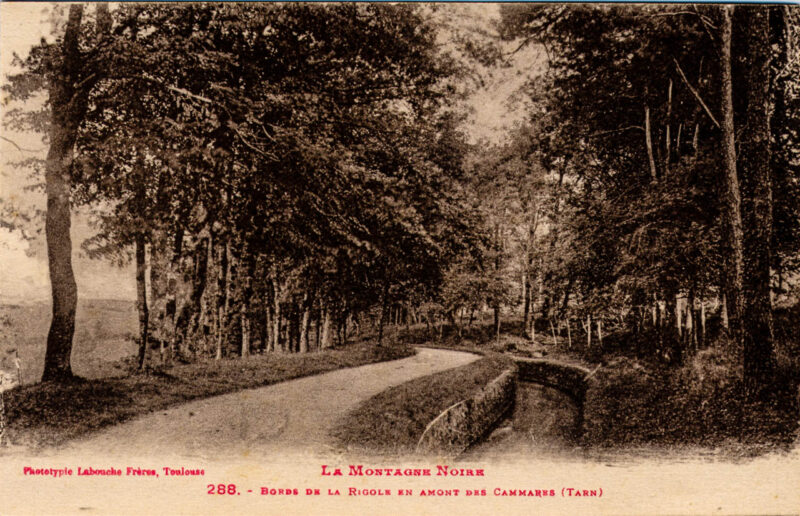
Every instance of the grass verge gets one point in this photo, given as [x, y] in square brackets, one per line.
[392, 422]
[51, 414]
[632, 403]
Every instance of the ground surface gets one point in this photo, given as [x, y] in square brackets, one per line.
[293, 416]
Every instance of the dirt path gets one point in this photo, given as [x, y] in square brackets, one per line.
[293, 416]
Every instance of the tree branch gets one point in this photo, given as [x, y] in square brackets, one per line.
[695, 93]
[628, 128]
[703, 18]
[250, 145]
[21, 149]
[182, 91]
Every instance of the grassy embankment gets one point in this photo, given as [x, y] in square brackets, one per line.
[50, 414]
[392, 422]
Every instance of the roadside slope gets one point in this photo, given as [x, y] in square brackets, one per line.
[293, 416]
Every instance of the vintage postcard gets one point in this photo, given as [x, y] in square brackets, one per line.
[399, 258]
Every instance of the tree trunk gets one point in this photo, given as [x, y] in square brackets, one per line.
[192, 311]
[244, 312]
[222, 279]
[317, 331]
[588, 331]
[731, 210]
[667, 140]
[702, 322]
[325, 339]
[569, 335]
[670, 341]
[232, 278]
[723, 312]
[294, 328]
[691, 335]
[141, 299]
[755, 169]
[244, 320]
[246, 293]
[567, 292]
[648, 140]
[600, 333]
[266, 325]
[206, 312]
[355, 319]
[304, 323]
[170, 320]
[526, 304]
[67, 112]
[68, 98]
[654, 314]
[384, 310]
[2, 418]
[691, 320]
[273, 328]
[276, 315]
[497, 321]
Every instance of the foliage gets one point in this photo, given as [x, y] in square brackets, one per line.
[313, 143]
[636, 93]
[633, 403]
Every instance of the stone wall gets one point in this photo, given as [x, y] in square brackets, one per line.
[468, 421]
[570, 379]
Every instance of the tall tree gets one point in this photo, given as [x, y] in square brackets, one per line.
[733, 273]
[755, 167]
[70, 84]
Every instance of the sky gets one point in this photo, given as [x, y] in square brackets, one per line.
[21, 276]
[23, 265]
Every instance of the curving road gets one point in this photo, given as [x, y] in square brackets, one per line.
[293, 416]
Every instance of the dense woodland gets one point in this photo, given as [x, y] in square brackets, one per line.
[285, 175]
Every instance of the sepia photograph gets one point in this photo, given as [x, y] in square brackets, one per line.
[399, 258]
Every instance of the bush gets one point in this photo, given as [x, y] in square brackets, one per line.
[622, 402]
[700, 403]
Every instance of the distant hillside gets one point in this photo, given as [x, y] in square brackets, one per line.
[104, 333]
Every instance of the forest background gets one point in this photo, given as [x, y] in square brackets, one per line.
[280, 177]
